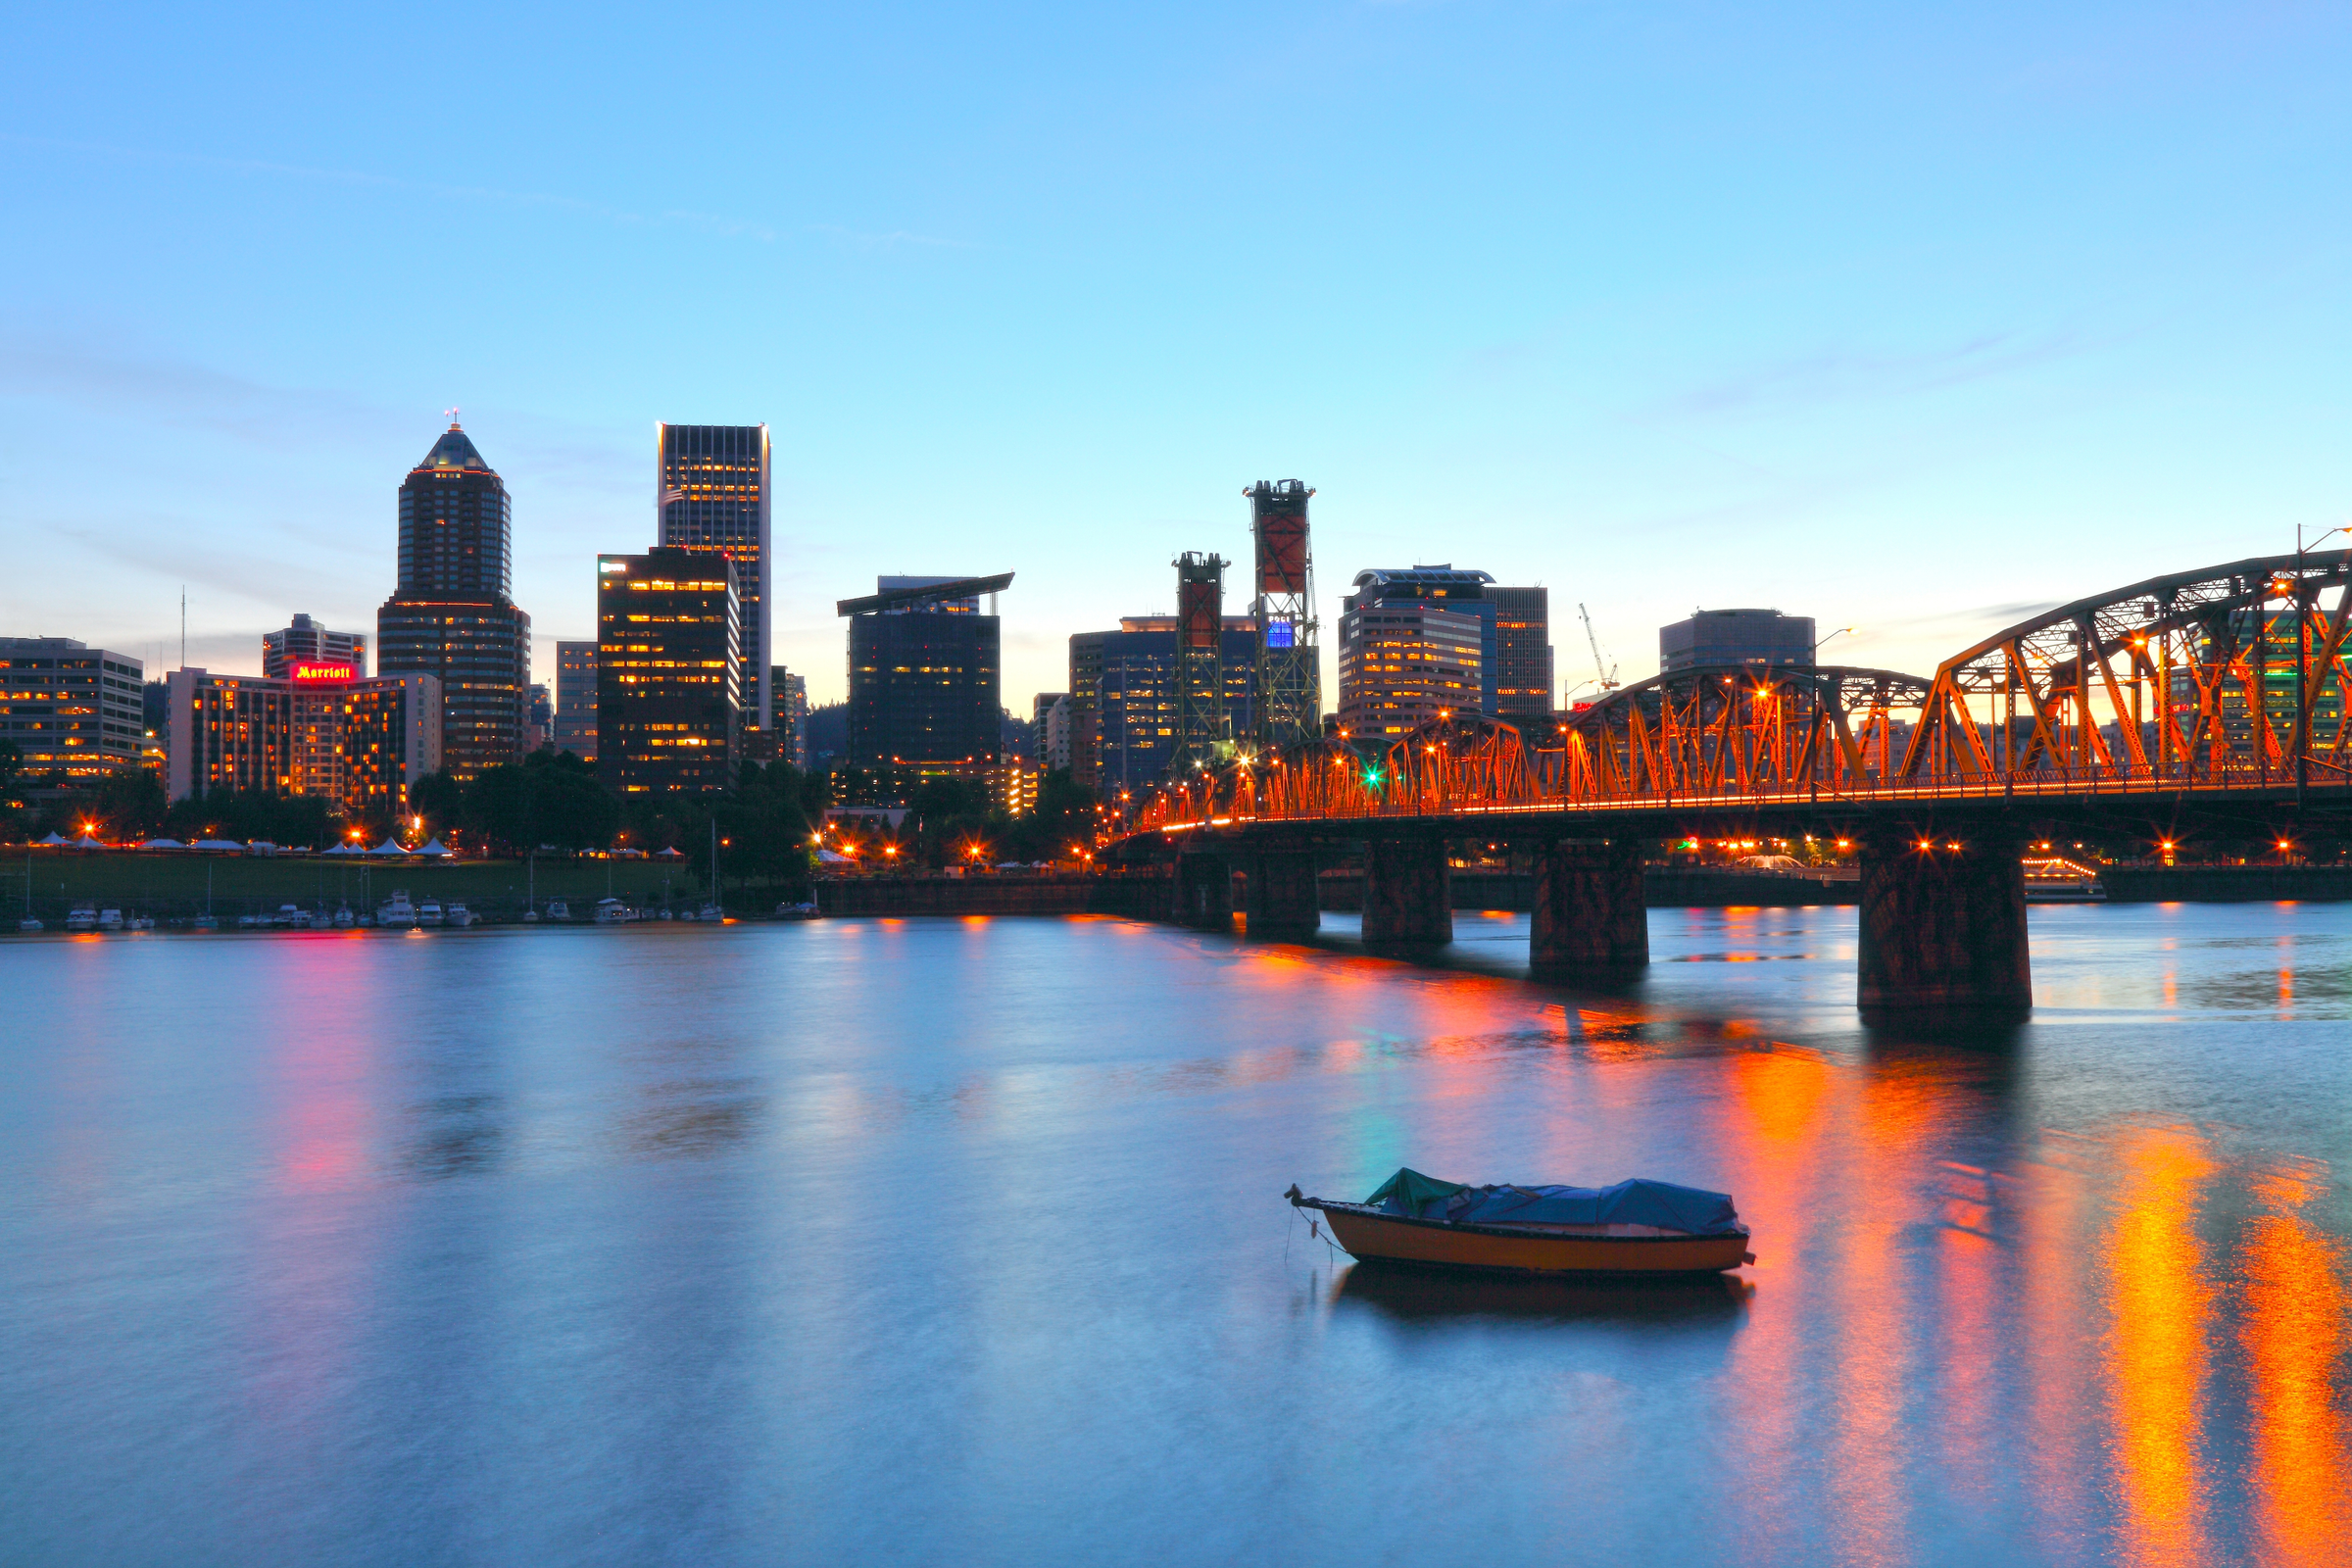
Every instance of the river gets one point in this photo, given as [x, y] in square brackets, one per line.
[961, 1242]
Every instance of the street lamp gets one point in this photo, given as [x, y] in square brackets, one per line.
[1824, 642]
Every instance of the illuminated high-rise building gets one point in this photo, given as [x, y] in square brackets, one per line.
[452, 615]
[306, 642]
[712, 490]
[925, 673]
[669, 672]
[1522, 652]
[1415, 646]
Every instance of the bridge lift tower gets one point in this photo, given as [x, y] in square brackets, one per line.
[1286, 689]
[1201, 731]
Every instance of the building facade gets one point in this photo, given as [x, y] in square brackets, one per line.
[669, 672]
[318, 692]
[1383, 594]
[1523, 659]
[539, 717]
[306, 642]
[789, 719]
[1735, 637]
[1407, 663]
[712, 494]
[71, 708]
[453, 616]
[925, 668]
[576, 699]
[390, 737]
[1049, 730]
[1121, 714]
[231, 734]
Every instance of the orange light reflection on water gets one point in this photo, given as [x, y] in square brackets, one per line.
[2160, 1305]
[2295, 1334]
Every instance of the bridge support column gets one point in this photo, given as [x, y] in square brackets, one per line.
[1205, 892]
[1408, 893]
[1944, 928]
[1590, 917]
[1282, 904]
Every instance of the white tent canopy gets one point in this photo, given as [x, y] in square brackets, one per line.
[54, 839]
[390, 845]
[163, 843]
[86, 842]
[231, 844]
[434, 848]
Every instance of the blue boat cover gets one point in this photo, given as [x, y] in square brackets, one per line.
[1628, 1203]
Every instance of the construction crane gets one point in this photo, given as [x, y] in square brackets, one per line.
[1600, 666]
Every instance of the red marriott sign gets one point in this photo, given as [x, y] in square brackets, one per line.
[309, 675]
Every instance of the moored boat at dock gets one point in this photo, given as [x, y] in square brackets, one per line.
[1636, 1227]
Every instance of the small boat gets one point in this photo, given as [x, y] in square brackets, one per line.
[82, 917]
[342, 919]
[2058, 880]
[612, 912]
[712, 913]
[797, 912]
[139, 922]
[396, 911]
[429, 912]
[292, 917]
[109, 920]
[460, 916]
[28, 923]
[206, 922]
[558, 909]
[1636, 1227]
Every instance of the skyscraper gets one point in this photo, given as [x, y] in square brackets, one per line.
[1121, 720]
[925, 673]
[1414, 645]
[1522, 652]
[712, 494]
[452, 614]
[669, 672]
[1392, 600]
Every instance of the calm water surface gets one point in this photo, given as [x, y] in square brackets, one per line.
[960, 1242]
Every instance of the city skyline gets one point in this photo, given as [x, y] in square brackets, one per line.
[1909, 327]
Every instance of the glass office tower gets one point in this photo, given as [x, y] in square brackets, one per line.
[712, 495]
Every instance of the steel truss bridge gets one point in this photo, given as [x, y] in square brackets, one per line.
[2217, 701]
[2184, 686]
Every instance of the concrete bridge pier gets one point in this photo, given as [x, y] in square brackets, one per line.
[1408, 893]
[1281, 903]
[1590, 916]
[1205, 892]
[1944, 926]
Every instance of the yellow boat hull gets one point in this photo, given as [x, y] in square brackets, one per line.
[1516, 1251]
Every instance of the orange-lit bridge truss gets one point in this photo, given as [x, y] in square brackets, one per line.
[2232, 679]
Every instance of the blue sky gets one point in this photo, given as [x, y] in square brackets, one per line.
[1912, 316]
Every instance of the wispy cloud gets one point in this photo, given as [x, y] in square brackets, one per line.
[858, 239]
[1845, 376]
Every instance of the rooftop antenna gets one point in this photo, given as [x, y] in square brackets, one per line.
[184, 625]
[452, 411]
